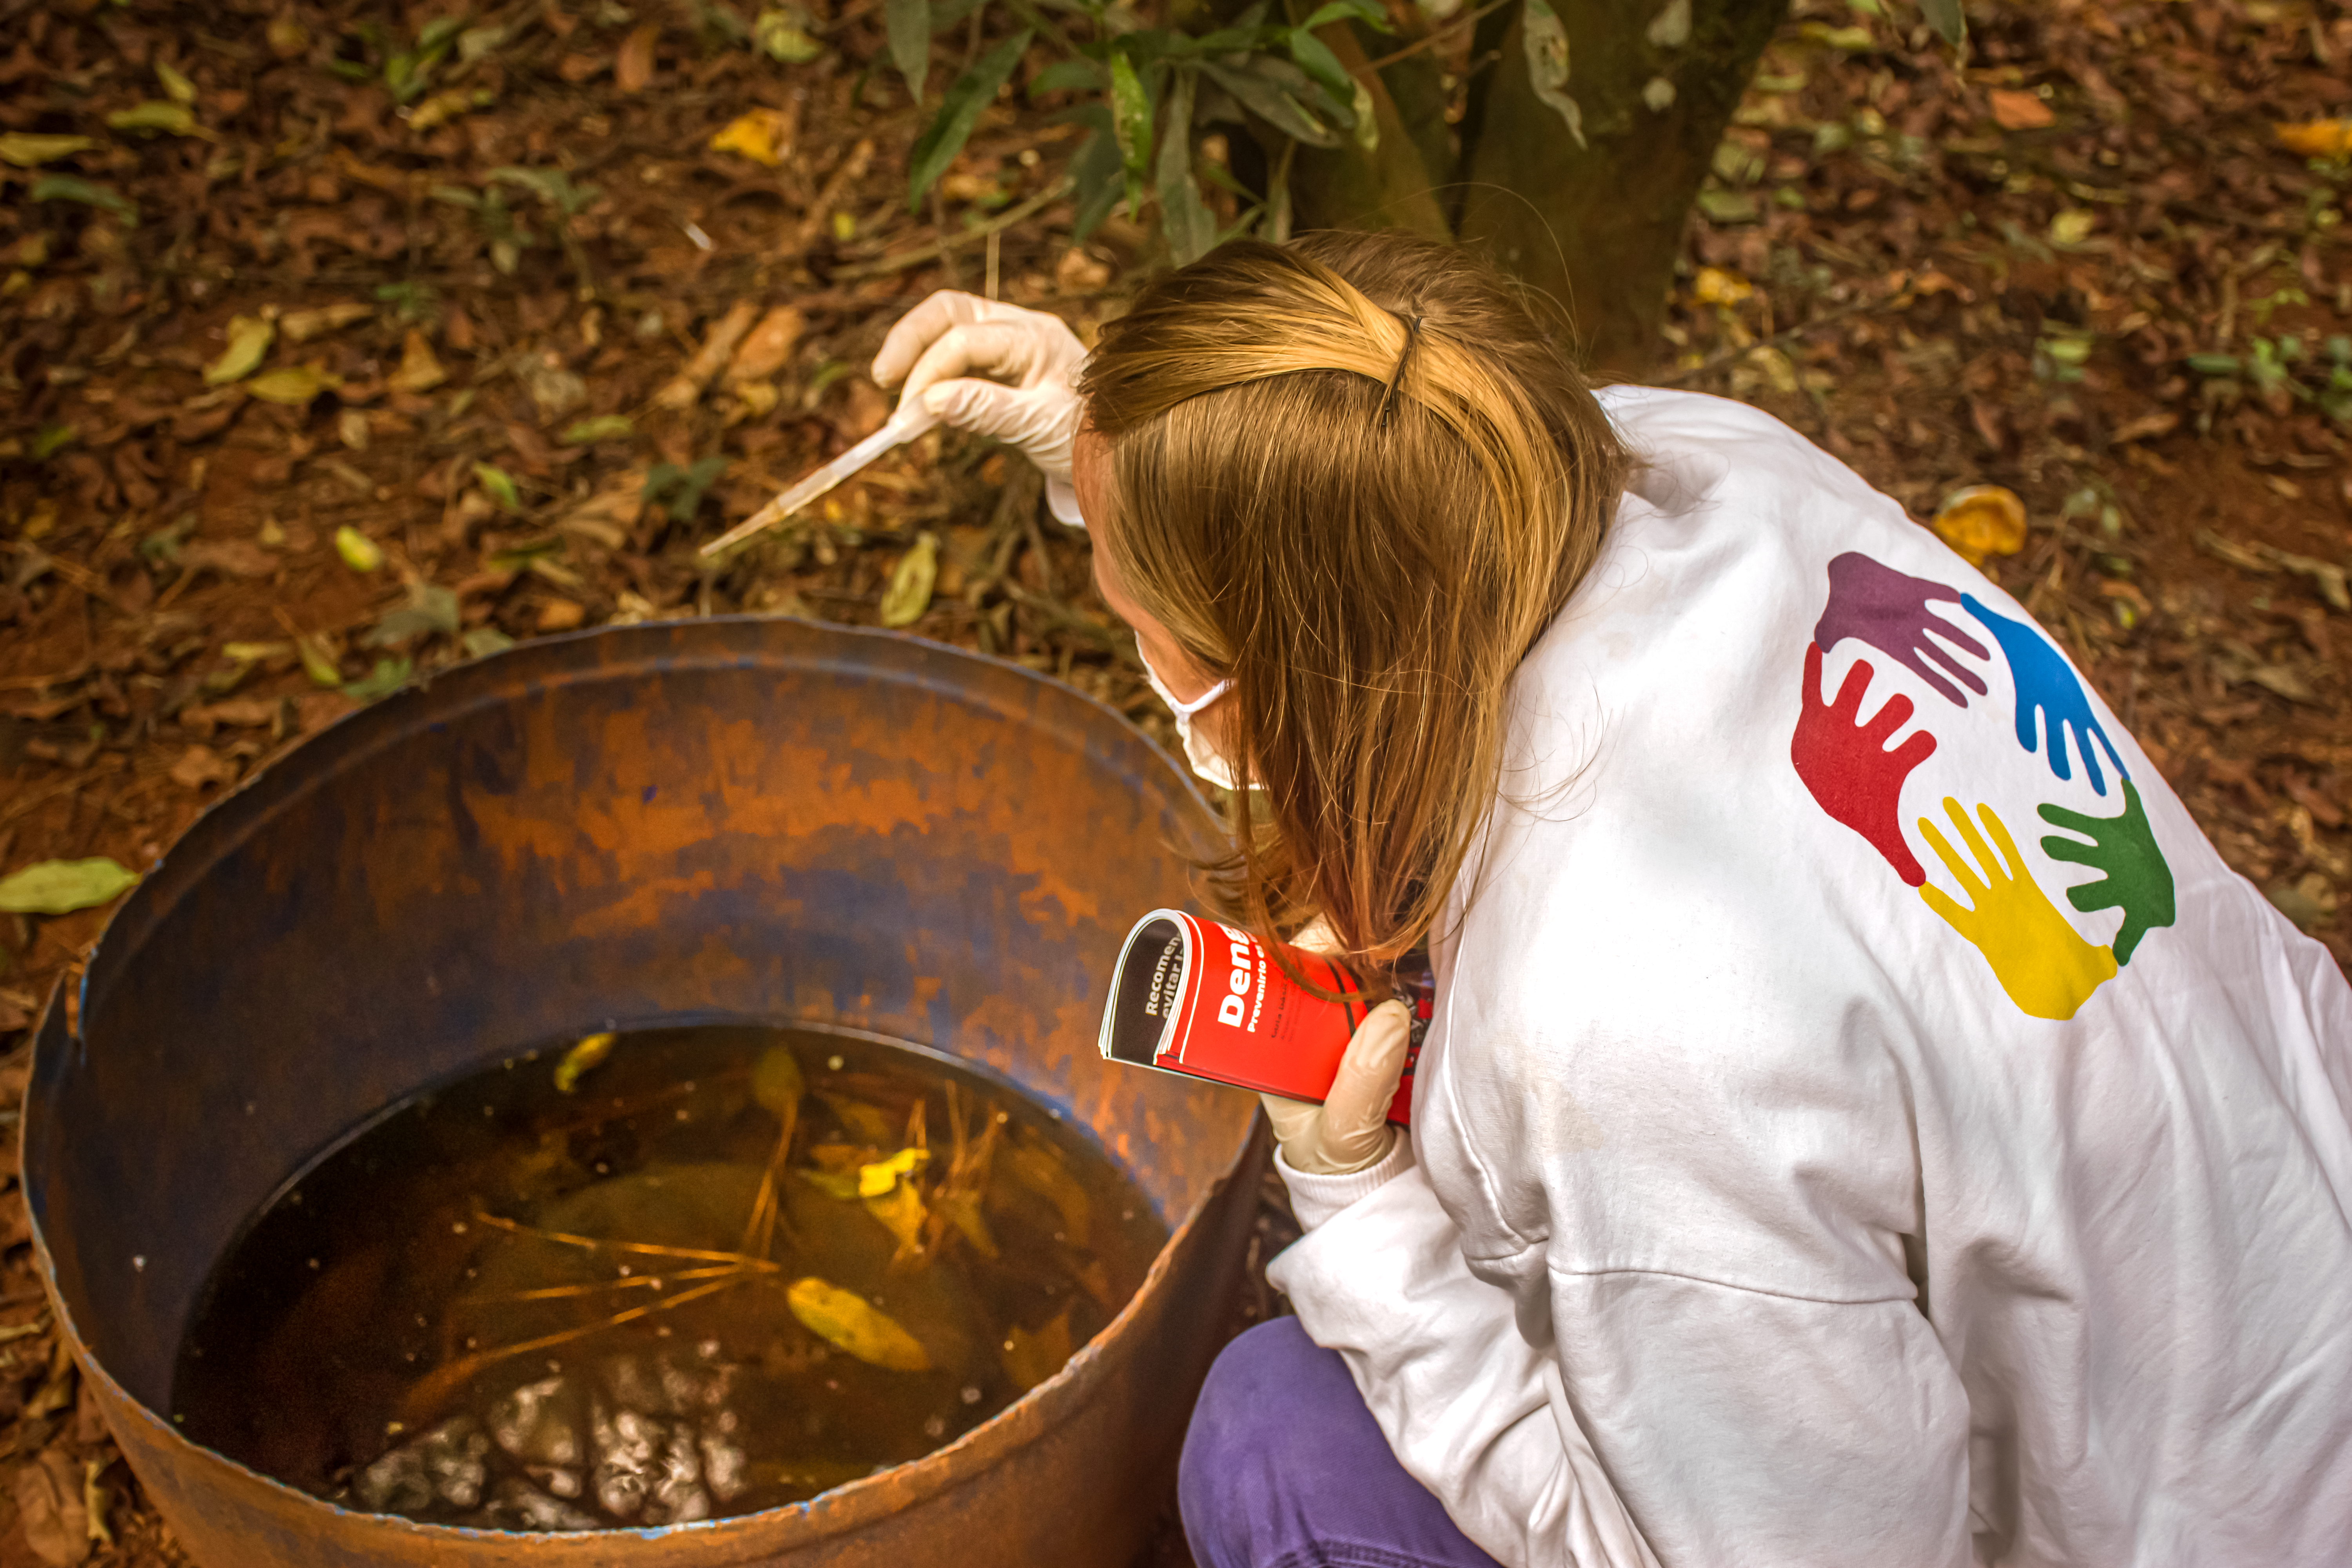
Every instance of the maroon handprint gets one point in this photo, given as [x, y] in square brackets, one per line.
[1846, 764]
[1889, 611]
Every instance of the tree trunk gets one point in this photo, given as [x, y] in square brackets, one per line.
[1597, 228]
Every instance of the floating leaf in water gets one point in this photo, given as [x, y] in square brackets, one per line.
[776, 1081]
[580, 1059]
[61, 887]
[30, 151]
[1036, 1165]
[1029, 1358]
[360, 552]
[867, 1124]
[248, 341]
[962, 1211]
[880, 1177]
[842, 1184]
[902, 1212]
[849, 1322]
[909, 593]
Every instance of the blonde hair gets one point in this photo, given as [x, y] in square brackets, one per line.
[1356, 476]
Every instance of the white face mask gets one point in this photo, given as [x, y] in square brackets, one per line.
[1206, 760]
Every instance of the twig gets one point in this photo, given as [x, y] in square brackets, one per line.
[921, 254]
[624, 1282]
[595, 1243]
[1428, 39]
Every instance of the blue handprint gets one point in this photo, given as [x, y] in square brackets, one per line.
[2047, 691]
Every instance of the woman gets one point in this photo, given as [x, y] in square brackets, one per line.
[1864, 1122]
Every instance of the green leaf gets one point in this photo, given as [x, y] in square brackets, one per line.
[431, 611]
[1096, 169]
[1367, 119]
[498, 485]
[602, 427]
[388, 677]
[66, 188]
[1951, 22]
[1546, 40]
[975, 90]
[1131, 120]
[1069, 75]
[248, 342]
[483, 641]
[50, 439]
[909, 594]
[156, 115]
[908, 25]
[176, 87]
[1364, 11]
[1314, 58]
[61, 887]
[1268, 88]
[317, 662]
[360, 552]
[1184, 218]
[2215, 365]
[29, 152]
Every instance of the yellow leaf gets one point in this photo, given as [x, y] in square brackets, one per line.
[294, 386]
[758, 136]
[776, 1080]
[360, 552]
[30, 151]
[2072, 226]
[2317, 138]
[580, 1059]
[880, 1177]
[248, 341]
[1036, 1165]
[301, 326]
[1716, 286]
[1982, 521]
[177, 88]
[1031, 1358]
[909, 592]
[419, 370]
[902, 1213]
[155, 114]
[849, 1322]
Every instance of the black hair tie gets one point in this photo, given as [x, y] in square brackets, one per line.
[1404, 355]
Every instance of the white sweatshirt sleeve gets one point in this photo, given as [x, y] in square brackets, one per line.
[1746, 1428]
[1473, 1412]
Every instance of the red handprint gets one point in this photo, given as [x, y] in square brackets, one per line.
[1846, 764]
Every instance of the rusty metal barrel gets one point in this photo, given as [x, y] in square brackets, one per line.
[734, 819]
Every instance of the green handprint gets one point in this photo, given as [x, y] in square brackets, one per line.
[2137, 880]
[2042, 963]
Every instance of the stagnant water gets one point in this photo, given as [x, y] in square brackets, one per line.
[672, 1275]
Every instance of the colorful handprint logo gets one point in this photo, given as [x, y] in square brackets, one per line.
[2042, 963]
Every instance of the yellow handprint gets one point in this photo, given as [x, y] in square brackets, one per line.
[2046, 967]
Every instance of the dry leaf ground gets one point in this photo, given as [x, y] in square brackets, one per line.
[1995, 272]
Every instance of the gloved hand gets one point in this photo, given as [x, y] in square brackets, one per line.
[944, 347]
[1349, 1130]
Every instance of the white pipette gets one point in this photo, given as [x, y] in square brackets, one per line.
[911, 420]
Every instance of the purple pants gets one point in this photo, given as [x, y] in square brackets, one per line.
[1283, 1468]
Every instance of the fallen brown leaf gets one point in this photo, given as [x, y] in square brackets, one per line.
[767, 348]
[632, 66]
[49, 1503]
[200, 766]
[2016, 110]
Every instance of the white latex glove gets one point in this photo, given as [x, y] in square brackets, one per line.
[1349, 1130]
[993, 369]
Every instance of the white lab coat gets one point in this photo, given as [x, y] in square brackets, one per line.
[1761, 1209]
